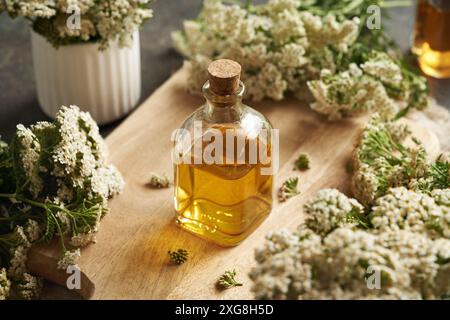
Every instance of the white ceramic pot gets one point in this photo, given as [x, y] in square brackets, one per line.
[105, 83]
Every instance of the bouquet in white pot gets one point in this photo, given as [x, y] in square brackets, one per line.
[65, 22]
[85, 52]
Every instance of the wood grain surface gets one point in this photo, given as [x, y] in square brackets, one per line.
[130, 261]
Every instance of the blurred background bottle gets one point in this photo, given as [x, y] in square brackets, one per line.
[432, 37]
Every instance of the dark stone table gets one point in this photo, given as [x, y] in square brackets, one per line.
[18, 103]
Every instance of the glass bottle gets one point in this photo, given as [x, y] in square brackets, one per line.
[222, 162]
[432, 37]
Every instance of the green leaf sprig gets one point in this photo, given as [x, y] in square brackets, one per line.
[288, 189]
[228, 280]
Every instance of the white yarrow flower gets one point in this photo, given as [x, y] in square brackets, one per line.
[69, 258]
[5, 284]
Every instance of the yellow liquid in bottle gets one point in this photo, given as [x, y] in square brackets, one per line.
[431, 39]
[435, 63]
[222, 202]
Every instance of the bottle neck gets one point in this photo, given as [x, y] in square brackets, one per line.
[223, 108]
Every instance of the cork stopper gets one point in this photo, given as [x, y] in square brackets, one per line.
[224, 76]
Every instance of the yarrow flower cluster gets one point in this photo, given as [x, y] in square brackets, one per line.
[100, 21]
[15, 278]
[159, 181]
[55, 179]
[373, 85]
[388, 157]
[283, 47]
[395, 244]
[331, 209]
[5, 284]
[335, 260]
[69, 258]
[29, 287]
[68, 154]
[402, 209]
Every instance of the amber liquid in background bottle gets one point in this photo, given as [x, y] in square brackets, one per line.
[225, 202]
[432, 37]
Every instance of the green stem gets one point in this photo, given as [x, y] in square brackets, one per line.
[61, 235]
[39, 205]
[8, 219]
[25, 200]
[7, 195]
[395, 4]
[32, 202]
[352, 6]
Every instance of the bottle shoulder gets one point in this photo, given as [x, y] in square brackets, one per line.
[197, 115]
[257, 115]
[248, 117]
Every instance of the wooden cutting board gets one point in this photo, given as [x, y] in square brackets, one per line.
[130, 261]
